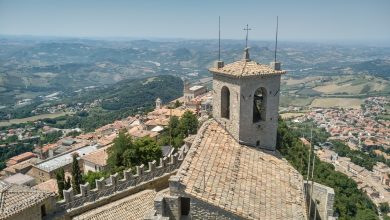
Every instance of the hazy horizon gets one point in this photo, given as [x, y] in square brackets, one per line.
[304, 21]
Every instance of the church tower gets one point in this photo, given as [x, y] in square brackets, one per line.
[246, 100]
[158, 103]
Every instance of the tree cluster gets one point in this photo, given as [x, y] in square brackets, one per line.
[126, 152]
[62, 183]
[178, 129]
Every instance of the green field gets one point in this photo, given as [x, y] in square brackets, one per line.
[286, 101]
[33, 118]
[332, 91]
[337, 102]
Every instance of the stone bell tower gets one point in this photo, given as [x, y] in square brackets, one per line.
[246, 100]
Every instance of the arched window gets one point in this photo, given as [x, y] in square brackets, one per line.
[259, 105]
[225, 102]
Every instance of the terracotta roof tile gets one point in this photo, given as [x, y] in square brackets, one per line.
[99, 157]
[14, 198]
[48, 186]
[242, 180]
[244, 68]
[132, 207]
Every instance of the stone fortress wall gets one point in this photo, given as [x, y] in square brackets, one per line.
[154, 177]
[322, 198]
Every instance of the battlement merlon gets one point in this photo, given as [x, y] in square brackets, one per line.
[167, 165]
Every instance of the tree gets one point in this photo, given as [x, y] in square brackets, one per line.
[126, 152]
[178, 129]
[384, 207]
[188, 123]
[77, 177]
[60, 177]
[73, 134]
[68, 183]
[91, 177]
[177, 104]
[116, 153]
[146, 150]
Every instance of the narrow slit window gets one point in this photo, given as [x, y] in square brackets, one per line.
[225, 103]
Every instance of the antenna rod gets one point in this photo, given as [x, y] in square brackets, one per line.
[276, 41]
[312, 171]
[219, 38]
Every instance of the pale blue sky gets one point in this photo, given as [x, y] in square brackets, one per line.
[311, 20]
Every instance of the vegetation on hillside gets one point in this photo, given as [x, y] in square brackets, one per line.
[357, 157]
[121, 100]
[350, 202]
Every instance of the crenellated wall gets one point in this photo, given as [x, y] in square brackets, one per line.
[155, 176]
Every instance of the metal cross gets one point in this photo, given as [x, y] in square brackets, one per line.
[247, 29]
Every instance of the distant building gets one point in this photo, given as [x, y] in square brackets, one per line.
[355, 169]
[48, 186]
[22, 167]
[96, 161]
[191, 92]
[19, 158]
[20, 179]
[158, 103]
[47, 169]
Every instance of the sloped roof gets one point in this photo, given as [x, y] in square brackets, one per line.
[242, 180]
[99, 157]
[19, 179]
[246, 67]
[48, 186]
[132, 207]
[15, 198]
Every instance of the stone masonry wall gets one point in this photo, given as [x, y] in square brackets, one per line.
[156, 177]
[232, 84]
[263, 131]
[324, 197]
[240, 125]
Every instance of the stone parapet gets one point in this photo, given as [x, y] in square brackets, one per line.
[129, 181]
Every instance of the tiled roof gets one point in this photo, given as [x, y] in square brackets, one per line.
[246, 68]
[48, 186]
[19, 179]
[64, 159]
[241, 180]
[14, 198]
[21, 157]
[99, 157]
[132, 207]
